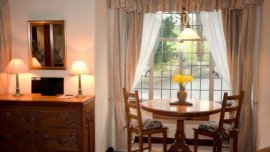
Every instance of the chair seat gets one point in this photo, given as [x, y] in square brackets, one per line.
[148, 124]
[152, 124]
[212, 126]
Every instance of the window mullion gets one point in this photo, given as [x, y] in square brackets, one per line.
[181, 58]
[211, 79]
[151, 76]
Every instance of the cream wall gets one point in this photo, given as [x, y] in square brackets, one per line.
[101, 66]
[79, 16]
[263, 120]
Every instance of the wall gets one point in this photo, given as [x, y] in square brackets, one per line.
[263, 121]
[80, 40]
[101, 66]
[85, 35]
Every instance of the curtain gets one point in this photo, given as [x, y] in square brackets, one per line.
[213, 28]
[5, 44]
[152, 6]
[151, 27]
[124, 49]
[240, 31]
[191, 5]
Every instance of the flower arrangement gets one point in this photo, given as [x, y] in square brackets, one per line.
[182, 80]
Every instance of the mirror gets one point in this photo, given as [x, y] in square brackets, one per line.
[47, 48]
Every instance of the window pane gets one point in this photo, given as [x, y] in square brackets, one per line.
[166, 94]
[217, 83]
[194, 94]
[205, 83]
[205, 71]
[157, 83]
[225, 86]
[205, 95]
[196, 83]
[144, 94]
[157, 93]
[217, 95]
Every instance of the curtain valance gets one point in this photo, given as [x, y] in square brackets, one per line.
[127, 5]
[151, 6]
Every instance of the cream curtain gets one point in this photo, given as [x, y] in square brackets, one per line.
[151, 27]
[5, 44]
[190, 5]
[213, 28]
[240, 30]
[124, 48]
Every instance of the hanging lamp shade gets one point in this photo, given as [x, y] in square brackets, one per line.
[188, 34]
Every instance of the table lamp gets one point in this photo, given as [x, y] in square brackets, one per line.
[16, 66]
[79, 68]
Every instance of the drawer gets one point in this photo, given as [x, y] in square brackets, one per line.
[16, 140]
[27, 116]
[58, 117]
[16, 117]
[57, 140]
[39, 140]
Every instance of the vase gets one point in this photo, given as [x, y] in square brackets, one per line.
[182, 98]
[182, 95]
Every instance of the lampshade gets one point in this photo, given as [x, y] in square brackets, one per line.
[188, 34]
[16, 66]
[35, 62]
[79, 67]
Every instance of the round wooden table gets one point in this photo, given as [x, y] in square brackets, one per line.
[199, 110]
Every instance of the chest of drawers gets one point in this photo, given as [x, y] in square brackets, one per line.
[47, 123]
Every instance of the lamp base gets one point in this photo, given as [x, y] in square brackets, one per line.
[17, 94]
[79, 96]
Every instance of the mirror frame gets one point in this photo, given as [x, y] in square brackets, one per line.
[32, 23]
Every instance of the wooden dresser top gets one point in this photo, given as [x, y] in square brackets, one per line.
[39, 99]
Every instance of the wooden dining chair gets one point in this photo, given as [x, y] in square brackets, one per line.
[139, 127]
[227, 128]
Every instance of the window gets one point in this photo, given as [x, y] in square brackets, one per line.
[170, 57]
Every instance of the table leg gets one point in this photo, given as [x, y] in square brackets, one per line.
[179, 145]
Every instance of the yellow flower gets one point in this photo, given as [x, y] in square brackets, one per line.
[182, 80]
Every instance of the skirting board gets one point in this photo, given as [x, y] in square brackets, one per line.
[264, 150]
